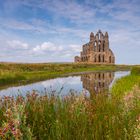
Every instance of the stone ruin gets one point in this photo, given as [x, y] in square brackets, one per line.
[97, 50]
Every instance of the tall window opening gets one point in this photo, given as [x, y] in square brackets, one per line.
[99, 46]
[109, 59]
[103, 58]
[103, 46]
[95, 46]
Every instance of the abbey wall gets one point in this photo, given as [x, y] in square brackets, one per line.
[97, 50]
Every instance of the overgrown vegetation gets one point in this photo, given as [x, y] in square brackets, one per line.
[73, 117]
[125, 84]
[101, 117]
[135, 70]
[11, 73]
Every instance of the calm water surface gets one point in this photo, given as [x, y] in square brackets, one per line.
[90, 83]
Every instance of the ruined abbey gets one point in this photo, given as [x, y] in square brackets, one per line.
[97, 50]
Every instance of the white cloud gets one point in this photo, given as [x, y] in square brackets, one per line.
[47, 46]
[55, 52]
[70, 24]
[69, 9]
[16, 44]
[75, 48]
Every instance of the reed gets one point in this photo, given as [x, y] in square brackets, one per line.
[73, 117]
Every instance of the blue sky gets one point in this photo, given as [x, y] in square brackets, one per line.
[54, 30]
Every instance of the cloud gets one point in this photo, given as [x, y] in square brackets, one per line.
[75, 48]
[47, 46]
[55, 52]
[16, 44]
[56, 29]
[72, 10]
[90, 11]
[15, 24]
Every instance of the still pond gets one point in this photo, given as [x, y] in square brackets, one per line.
[88, 82]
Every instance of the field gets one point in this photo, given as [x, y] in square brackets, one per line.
[101, 117]
[16, 74]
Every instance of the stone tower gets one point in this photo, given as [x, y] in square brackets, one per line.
[97, 50]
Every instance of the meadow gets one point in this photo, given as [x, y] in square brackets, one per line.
[101, 117]
[17, 74]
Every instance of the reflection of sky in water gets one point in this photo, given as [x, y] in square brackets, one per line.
[58, 85]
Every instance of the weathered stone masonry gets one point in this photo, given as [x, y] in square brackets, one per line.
[97, 51]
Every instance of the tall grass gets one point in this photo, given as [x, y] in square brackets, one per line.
[125, 84]
[73, 117]
[135, 70]
[101, 117]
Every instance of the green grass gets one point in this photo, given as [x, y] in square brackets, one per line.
[125, 84]
[100, 117]
[11, 73]
[135, 71]
[74, 117]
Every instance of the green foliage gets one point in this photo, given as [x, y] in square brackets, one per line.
[101, 117]
[73, 117]
[135, 71]
[12, 73]
[125, 84]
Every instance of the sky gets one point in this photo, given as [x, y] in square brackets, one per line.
[55, 30]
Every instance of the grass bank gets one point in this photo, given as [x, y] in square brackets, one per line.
[11, 73]
[75, 117]
[125, 84]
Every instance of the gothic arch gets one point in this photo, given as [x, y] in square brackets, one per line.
[86, 58]
[103, 58]
[103, 76]
[99, 46]
[95, 46]
[110, 59]
[103, 46]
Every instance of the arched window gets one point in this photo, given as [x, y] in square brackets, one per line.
[103, 76]
[99, 35]
[103, 58]
[99, 46]
[99, 76]
[95, 46]
[109, 59]
[103, 46]
[109, 75]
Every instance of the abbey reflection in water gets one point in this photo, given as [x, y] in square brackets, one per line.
[97, 82]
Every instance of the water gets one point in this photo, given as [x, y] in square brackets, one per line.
[89, 83]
